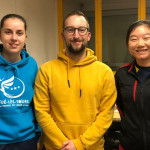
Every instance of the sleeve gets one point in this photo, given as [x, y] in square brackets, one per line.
[118, 100]
[43, 109]
[103, 121]
[37, 127]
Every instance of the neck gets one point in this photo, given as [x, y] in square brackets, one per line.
[76, 57]
[11, 57]
[143, 63]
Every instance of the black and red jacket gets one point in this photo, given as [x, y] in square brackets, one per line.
[133, 102]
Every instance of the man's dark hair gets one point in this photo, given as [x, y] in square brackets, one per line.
[78, 13]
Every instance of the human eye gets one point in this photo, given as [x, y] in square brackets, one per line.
[147, 38]
[70, 30]
[20, 33]
[133, 39]
[7, 32]
[82, 29]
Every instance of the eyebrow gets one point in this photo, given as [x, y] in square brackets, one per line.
[135, 35]
[147, 34]
[11, 29]
[74, 27]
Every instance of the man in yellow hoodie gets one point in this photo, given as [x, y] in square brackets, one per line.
[74, 94]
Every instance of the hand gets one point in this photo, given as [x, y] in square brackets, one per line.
[68, 145]
[40, 144]
[39, 147]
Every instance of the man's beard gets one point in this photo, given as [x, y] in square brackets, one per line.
[77, 50]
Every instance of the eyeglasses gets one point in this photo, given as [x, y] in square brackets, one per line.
[81, 30]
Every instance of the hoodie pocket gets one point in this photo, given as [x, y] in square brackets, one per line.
[72, 131]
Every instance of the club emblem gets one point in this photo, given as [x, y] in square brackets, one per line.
[12, 87]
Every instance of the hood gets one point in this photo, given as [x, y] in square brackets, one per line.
[14, 66]
[90, 58]
[87, 60]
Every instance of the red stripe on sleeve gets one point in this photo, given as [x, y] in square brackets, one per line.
[134, 90]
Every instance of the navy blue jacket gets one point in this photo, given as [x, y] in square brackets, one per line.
[133, 101]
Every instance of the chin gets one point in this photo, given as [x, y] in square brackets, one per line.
[15, 51]
[143, 58]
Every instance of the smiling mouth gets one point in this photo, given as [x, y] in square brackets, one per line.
[76, 42]
[140, 51]
[13, 45]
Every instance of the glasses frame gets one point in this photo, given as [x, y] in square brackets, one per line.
[74, 29]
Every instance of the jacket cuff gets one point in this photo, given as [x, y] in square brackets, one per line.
[78, 144]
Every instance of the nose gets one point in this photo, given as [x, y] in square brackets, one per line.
[140, 43]
[76, 33]
[14, 37]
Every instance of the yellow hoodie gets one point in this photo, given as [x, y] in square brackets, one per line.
[74, 101]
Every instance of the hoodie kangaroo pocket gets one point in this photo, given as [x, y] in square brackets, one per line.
[72, 131]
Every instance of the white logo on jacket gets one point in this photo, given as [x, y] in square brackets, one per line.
[12, 87]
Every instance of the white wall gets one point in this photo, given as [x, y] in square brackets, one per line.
[41, 17]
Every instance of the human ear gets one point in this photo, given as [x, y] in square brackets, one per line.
[62, 35]
[89, 36]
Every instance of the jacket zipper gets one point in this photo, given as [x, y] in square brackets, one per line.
[143, 119]
[142, 107]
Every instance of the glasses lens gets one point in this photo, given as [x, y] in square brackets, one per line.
[70, 30]
[81, 30]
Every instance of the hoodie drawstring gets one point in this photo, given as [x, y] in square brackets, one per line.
[14, 67]
[90, 58]
[68, 79]
[68, 74]
[80, 82]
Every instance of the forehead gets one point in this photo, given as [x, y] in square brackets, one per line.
[76, 21]
[14, 23]
[141, 29]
